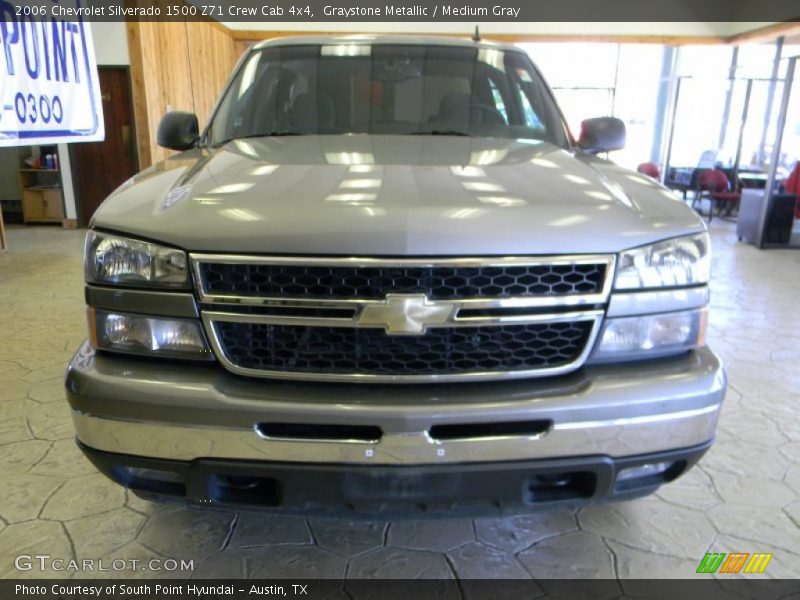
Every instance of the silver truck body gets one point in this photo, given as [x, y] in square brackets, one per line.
[230, 429]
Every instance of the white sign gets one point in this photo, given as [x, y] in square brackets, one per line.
[49, 91]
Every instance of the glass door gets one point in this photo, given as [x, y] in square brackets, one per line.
[725, 124]
[780, 215]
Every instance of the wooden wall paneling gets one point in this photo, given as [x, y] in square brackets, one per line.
[168, 63]
[176, 66]
[212, 56]
[242, 46]
[160, 72]
[136, 47]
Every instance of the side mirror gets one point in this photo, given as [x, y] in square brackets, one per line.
[178, 131]
[602, 134]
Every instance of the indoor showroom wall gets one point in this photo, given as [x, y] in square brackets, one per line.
[111, 49]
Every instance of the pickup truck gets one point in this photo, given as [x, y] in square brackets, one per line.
[386, 278]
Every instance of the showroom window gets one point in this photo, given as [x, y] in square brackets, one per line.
[700, 112]
[755, 61]
[782, 219]
[724, 113]
[602, 79]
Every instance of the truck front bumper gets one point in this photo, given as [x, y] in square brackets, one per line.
[203, 426]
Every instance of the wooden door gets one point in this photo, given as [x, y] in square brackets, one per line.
[99, 167]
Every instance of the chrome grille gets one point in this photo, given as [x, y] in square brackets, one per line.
[438, 283]
[361, 351]
[402, 320]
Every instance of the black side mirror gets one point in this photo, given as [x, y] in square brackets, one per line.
[178, 131]
[602, 134]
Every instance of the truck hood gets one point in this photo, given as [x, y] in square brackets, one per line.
[394, 196]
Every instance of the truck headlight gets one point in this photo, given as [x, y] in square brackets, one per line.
[152, 336]
[678, 262]
[112, 259]
[650, 336]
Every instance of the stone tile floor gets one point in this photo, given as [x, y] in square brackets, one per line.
[742, 497]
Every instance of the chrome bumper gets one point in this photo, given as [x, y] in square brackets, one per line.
[186, 412]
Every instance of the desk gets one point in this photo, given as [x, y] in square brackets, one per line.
[681, 179]
[779, 221]
[753, 180]
[749, 215]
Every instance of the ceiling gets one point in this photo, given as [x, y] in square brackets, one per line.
[678, 32]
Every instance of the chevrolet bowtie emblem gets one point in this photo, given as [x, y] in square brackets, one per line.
[405, 314]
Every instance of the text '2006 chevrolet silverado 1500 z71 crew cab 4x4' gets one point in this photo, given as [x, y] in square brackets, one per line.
[386, 277]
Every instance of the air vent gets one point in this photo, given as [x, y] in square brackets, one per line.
[368, 434]
[472, 431]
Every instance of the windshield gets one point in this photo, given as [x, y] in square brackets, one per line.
[387, 89]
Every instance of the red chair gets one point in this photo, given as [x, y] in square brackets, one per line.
[650, 169]
[792, 183]
[792, 186]
[714, 185]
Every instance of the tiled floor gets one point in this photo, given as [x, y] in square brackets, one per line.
[743, 496]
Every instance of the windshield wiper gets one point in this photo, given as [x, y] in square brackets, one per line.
[281, 132]
[442, 132]
[277, 133]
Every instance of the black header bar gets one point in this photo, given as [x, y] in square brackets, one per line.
[405, 11]
[703, 587]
